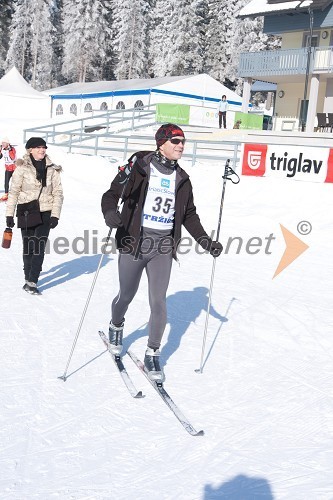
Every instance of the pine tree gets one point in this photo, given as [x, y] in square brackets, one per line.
[19, 54]
[53, 42]
[31, 44]
[216, 39]
[5, 21]
[87, 36]
[43, 34]
[131, 29]
[58, 45]
[162, 46]
[246, 36]
[187, 53]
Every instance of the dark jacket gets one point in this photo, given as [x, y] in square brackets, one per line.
[133, 197]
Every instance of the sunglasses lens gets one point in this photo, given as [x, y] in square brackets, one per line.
[177, 141]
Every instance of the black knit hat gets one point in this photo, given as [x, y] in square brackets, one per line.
[166, 132]
[35, 142]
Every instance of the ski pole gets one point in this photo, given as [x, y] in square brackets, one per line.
[64, 376]
[125, 173]
[228, 173]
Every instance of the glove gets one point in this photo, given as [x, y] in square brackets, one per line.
[214, 247]
[10, 222]
[113, 219]
[53, 222]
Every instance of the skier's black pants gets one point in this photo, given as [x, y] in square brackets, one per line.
[158, 269]
[34, 243]
[8, 175]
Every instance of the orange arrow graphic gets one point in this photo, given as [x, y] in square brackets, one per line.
[294, 248]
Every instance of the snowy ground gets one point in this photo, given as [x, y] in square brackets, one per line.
[264, 398]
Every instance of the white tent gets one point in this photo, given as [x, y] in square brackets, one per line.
[197, 90]
[16, 93]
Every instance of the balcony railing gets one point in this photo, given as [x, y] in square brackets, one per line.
[285, 62]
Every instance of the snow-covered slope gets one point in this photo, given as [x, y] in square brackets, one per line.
[264, 397]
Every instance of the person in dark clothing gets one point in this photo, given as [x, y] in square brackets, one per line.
[35, 177]
[157, 201]
[222, 109]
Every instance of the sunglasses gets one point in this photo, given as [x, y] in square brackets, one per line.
[177, 141]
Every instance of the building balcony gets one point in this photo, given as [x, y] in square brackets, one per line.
[283, 65]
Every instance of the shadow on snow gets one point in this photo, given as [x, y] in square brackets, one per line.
[183, 307]
[240, 487]
[70, 270]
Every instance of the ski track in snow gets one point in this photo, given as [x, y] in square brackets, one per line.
[264, 398]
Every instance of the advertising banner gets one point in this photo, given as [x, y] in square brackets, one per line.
[289, 162]
[249, 121]
[204, 116]
[173, 113]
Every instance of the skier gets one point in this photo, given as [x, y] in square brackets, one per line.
[157, 200]
[8, 153]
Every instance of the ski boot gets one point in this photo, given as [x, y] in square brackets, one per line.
[152, 365]
[116, 338]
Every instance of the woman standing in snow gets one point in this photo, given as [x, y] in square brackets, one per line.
[35, 178]
[158, 200]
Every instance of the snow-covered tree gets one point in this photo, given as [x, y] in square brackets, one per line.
[131, 26]
[216, 38]
[43, 34]
[58, 44]
[163, 49]
[87, 36]
[53, 42]
[179, 37]
[187, 50]
[19, 54]
[5, 21]
[31, 43]
[246, 36]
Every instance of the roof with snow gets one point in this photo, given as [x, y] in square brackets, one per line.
[193, 86]
[13, 84]
[269, 7]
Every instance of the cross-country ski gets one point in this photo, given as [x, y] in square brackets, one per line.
[118, 361]
[159, 388]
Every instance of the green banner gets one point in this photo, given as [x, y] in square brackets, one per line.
[248, 121]
[174, 113]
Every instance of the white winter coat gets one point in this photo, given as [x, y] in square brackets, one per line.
[25, 187]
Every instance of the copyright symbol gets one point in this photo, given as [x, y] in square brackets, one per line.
[304, 227]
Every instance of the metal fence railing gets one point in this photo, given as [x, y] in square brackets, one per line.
[102, 133]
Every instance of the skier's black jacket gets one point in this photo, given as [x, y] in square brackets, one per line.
[133, 197]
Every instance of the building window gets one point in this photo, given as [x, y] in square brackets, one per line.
[88, 107]
[73, 109]
[120, 105]
[103, 106]
[314, 39]
[59, 110]
[138, 104]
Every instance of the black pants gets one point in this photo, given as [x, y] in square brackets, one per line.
[8, 175]
[34, 243]
[223, 115]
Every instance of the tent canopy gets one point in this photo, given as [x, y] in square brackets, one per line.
[193, 86]
[13, 84]
[18, 97]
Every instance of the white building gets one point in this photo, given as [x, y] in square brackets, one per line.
[197, 91]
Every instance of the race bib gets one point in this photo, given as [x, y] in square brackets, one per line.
[159, 207]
